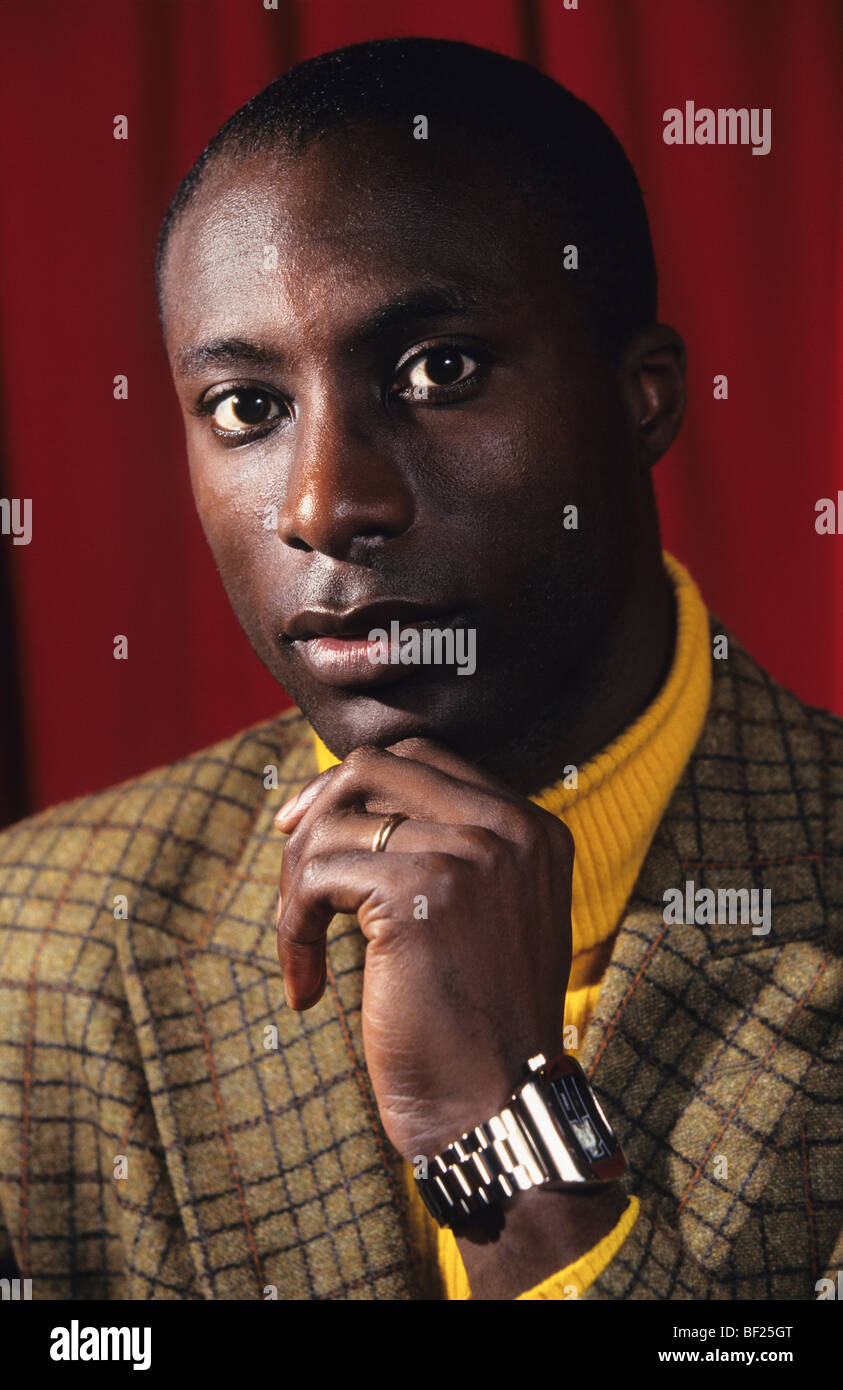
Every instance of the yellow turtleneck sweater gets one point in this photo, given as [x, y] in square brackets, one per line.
[612, 813]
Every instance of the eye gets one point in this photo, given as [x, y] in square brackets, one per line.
[239, 411]
[437, 371]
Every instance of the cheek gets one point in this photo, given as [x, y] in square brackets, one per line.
[557, 509]
[238, 520]
[508, 477]
[233, 503]
[480, 471]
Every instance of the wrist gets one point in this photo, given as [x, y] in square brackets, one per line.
[435, 1130]
[541, 1232]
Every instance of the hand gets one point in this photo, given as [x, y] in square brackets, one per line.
[467, 915]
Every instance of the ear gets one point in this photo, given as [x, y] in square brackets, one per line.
[652, 379]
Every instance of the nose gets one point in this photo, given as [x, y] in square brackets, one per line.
[345, 489]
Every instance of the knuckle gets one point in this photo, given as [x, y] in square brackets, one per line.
[410, 746]
[540, 829]
[361, 757]
[522, 832]
[311, 873]
[565, 838]
[354, 769]
[291, 854]
[484, 846]
[443, 872]
[516, 822]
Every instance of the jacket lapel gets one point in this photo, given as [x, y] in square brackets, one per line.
[697, 1045]
[285, 1184]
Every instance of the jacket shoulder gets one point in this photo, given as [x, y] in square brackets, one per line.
[61, 869]
[766, 783]
[754, 714]
[225, 769]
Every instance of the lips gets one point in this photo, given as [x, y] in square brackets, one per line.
[336, 648]
[359, 621]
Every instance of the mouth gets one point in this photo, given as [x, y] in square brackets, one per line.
[362, 646]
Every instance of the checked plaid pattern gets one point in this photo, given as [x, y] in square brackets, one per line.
[253, 1166]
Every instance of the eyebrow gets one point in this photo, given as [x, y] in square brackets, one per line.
[401, 311]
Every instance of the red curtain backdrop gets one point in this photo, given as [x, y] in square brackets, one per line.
[749, 249]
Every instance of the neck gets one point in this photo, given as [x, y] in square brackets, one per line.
[623, 675]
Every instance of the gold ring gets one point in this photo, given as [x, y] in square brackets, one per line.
[385, 829]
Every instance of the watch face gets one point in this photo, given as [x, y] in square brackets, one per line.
[574, 1104]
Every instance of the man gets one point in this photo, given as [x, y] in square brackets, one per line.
[409, 300]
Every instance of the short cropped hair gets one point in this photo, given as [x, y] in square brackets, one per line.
[556, 146]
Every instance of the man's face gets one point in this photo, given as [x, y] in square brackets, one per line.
[391, 398]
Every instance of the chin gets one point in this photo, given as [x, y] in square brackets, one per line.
[357, 718]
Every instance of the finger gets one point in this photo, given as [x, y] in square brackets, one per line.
[356, 830]
[354, 881]
[422, 750]
[435, 754]
[292, 811]
[438, 755]
[341, 830]
[380, 781]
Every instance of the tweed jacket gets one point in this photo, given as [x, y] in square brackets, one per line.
[170, 1130]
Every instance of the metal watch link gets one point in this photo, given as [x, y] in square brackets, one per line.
[552, 1133]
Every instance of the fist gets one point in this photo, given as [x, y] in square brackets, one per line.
[467, 916]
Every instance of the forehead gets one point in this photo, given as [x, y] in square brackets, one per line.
[360, 213]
